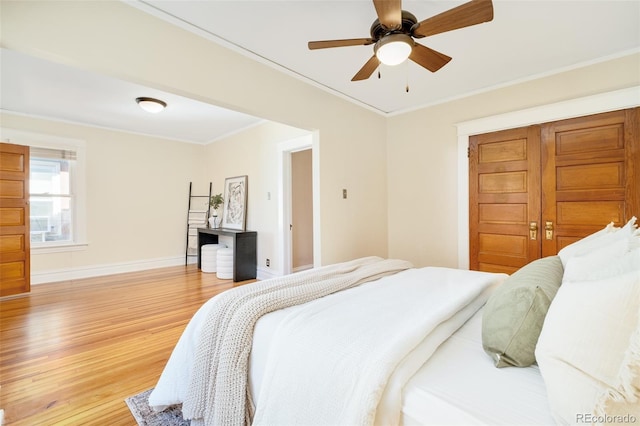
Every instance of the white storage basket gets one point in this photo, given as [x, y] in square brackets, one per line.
[224, 263]
[208, 257]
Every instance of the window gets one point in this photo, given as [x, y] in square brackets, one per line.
[52, 200]
[57, 190]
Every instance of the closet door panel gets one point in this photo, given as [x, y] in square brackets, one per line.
[591, 177]
[632, 160]
[584, 174]
[590, 213]
[504, 184]
[586, 177]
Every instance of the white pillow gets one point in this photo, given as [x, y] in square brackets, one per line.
[589, 349]
[596, 240]
[616, 258]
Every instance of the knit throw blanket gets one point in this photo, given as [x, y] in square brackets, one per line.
[218, 390]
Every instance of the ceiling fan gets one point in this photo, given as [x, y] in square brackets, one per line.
[393, 34]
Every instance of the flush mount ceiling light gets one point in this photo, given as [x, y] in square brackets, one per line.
[394, 49]
[151, 105]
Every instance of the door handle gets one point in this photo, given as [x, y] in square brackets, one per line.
[533, 230]
[548, 230]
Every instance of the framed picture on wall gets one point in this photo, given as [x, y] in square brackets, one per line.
[234, 214]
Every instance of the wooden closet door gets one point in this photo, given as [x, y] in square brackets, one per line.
[14, 219]
[591, 173]
[504, 188]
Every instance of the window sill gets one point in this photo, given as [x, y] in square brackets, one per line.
[58, 248]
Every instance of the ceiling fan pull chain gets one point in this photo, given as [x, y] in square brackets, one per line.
[378, 74]
[407, 75]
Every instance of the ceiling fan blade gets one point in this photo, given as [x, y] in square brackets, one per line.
[324, 44]
[428, 58]
[465, 15]
[368, 69]
[389, 13]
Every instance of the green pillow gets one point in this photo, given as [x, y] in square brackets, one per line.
[514, 314]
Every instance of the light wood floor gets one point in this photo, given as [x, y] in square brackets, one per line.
[72, 351]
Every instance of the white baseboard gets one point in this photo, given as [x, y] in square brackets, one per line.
[100, 270]
[266, 273]
[50, 276]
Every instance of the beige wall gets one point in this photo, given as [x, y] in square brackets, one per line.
[254, 153]
[400, 172]
[423, 155]
[146, 50]
[136, 190]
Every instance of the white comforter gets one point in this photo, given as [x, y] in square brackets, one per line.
[343, 358]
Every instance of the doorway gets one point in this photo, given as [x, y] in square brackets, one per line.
[298, 212]
[301, 210]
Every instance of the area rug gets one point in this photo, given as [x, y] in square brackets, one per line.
[145, 416]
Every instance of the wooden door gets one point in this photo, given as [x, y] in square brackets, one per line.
[14, 219]
[504, 187]
[588, 174]
[591, 173]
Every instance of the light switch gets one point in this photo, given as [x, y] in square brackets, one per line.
[344, 194]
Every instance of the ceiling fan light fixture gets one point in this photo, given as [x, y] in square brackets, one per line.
[394, 49]
[151, 105]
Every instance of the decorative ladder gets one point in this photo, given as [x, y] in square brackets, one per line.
[196, 218]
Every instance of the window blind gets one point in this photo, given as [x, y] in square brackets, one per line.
[53, 154]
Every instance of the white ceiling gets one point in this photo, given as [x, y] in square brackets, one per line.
[525, 40]
[37, 87]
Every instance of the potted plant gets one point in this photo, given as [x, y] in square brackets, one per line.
[215, 202]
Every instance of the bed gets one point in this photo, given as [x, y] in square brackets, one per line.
[377, 341]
